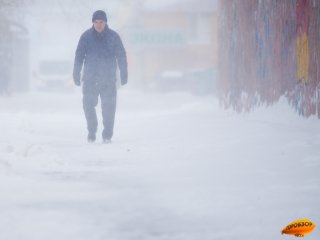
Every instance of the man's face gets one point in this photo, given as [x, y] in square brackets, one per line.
[99, 25]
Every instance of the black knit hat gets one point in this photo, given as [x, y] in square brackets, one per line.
[99, 15]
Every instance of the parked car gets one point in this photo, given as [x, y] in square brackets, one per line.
[197, 81]
[54, 75]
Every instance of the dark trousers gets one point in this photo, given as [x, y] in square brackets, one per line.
[108, 97]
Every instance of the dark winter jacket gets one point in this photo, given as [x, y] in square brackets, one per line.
[100, 53]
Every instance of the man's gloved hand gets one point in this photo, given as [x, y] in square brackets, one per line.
[124, 81]
[76, 79]
[124, 78]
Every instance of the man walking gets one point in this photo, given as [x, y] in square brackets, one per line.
[100, 51]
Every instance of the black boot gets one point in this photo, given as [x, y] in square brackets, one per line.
[106, 140]
[91, 137]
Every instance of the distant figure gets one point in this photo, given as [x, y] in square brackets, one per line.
[5, 68]
[100, 50]
[5, 58]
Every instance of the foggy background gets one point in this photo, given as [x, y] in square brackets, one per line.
[180, 165]
[166, 41]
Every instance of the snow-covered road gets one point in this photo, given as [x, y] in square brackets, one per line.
[179, 168]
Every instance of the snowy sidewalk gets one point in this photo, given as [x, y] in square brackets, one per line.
[179, 168]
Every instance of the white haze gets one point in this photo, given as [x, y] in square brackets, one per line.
[180, 167]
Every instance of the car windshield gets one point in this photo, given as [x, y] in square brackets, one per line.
[55, 67]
